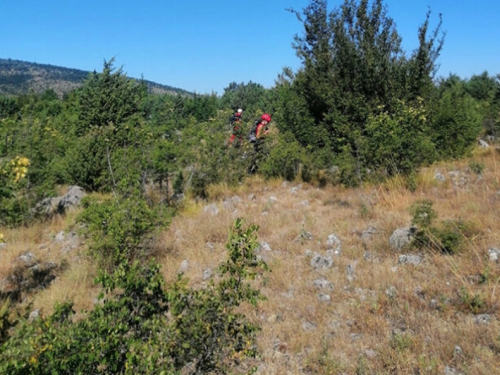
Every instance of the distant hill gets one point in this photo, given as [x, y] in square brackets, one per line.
[19, 77]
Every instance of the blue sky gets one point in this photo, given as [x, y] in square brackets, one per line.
[203, 45]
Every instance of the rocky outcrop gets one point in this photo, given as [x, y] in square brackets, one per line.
[402, 237]
[60, 205]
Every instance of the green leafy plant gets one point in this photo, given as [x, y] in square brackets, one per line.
[447, 236]
[476, 167]
[352, 64]
[473, 302]
[6, 321]
[455, 122]
[423, 214]
[398, 141]
[284, 159]
[211, 333]
[118, 228]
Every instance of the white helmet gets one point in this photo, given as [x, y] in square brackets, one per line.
[240, 110]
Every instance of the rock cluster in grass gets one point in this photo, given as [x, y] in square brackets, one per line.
[27, 274]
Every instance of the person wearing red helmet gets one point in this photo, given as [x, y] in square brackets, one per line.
[262, 127]
[258, 134]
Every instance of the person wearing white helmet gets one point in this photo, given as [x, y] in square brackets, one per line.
[236, 123]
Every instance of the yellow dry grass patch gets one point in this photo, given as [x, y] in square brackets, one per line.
[75, 284]
[74, 274]
[34, 239]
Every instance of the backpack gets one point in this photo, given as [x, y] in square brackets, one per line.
[252, 137]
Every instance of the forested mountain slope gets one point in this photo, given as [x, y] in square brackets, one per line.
[20, 77]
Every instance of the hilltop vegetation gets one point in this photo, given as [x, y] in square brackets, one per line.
[22, 77]
[361, 129]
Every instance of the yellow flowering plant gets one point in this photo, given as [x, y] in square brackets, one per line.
[12, 204]
[15, 170]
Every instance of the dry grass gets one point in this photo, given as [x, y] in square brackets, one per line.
[365, 328]
[74, 272]
[34, 239]
[362, 329]
[76, 284]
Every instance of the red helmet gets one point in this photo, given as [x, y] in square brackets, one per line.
[266, 117]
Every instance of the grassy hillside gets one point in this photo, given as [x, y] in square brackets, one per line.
[382, 315]
[20, 77]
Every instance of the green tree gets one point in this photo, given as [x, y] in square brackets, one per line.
[284, 159]
[249, 96]
[108, 98]
[455, 122]
[352, 64]
[481, 87]
[486, 90]
[13, 203]
[8, 107]
[109, 120]
[201, 107]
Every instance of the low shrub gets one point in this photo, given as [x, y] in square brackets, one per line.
[447, 236]
[284, 159]
[118, 229]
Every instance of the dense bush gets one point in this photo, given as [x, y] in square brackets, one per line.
[207, 158]
[118, 229]
[8, 107]
[251, 97]
[455, 122]
[357, 93]
[284, 159]
[397, 142]
[353, 63]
